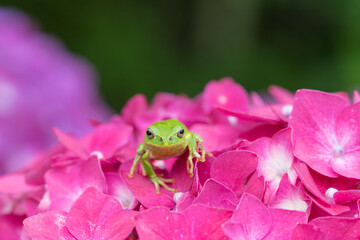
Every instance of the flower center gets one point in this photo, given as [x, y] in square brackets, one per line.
[338, 150]
[177, 196]
[286, 110]
[329, 194]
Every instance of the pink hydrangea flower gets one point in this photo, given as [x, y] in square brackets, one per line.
[260, 183]
[41, 86]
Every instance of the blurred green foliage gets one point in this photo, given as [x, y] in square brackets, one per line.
[142, 46]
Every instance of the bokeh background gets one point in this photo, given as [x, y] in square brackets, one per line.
[141, 46]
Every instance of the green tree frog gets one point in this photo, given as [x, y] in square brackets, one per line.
[167, 139]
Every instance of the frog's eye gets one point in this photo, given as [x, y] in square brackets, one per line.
[180, 133]
[149, 134]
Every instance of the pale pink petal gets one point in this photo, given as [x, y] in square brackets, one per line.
[233, 168]
[281, 94]
[95, 215]
[289, 197]
[307, 232]
[118, 189]
[161, 224]
[284, 223]
[144, 191]
[251, 220]
[225, 93]
[216, 195]
[338, 228]
[66, 184]
[48, 226]
[205, 223]
[316, 154]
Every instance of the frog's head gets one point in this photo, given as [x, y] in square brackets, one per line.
[166, 133]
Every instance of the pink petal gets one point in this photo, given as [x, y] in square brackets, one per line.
[356, 97]
[66, 184]
[338, 228]
[225, 93]
[307, 232]
[233, 168]
[216, 195]
[186, 199]
[159, 223]
[348, 165]
[255, 185]
[49, 225]
[289, 197]
[342, 197]
[251, 220]
[95, 215]
[69, 142]
[10, 227]
[281, 94]
[216, 137]
[109, 137]
[314, 114]
[118, 189]
[134, 106]
[144, 191]
[348, 128]
[205, 223]
[15, 184]
[317, 155]
[283, 223]
[183, 181]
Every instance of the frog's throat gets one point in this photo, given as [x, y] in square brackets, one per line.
[165, 151]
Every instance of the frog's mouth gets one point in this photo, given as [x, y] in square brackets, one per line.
[167, 150]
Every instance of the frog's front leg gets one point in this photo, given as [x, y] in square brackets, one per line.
[192, 145]
[139, 153]
[158, 181]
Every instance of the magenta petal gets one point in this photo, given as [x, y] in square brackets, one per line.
[338, 228]
[314, 114]
[144, 191]
[348, 128]
[183, 182]
[253, 219]
[69, 142]
[316, 155]
[10, 227]
[348, 165]
[205, 222]
[109, 137]
[66, 184]
[216, 137]
[284, 223]
[118, 189]
[216, 195]
[161, 224]
[134, 106]
[255, 185]
[233, 168]
[94, 214]
[48, 226]
[281, 94]
[225, 93]
[307, 232]
[342, 197]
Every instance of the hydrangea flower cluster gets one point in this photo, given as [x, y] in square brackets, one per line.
[41, 85]
[283, 167]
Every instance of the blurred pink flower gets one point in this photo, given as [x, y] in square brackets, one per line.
[41, 86]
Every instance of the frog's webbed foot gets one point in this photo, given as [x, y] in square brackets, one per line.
[159, 181]
[203, 153]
